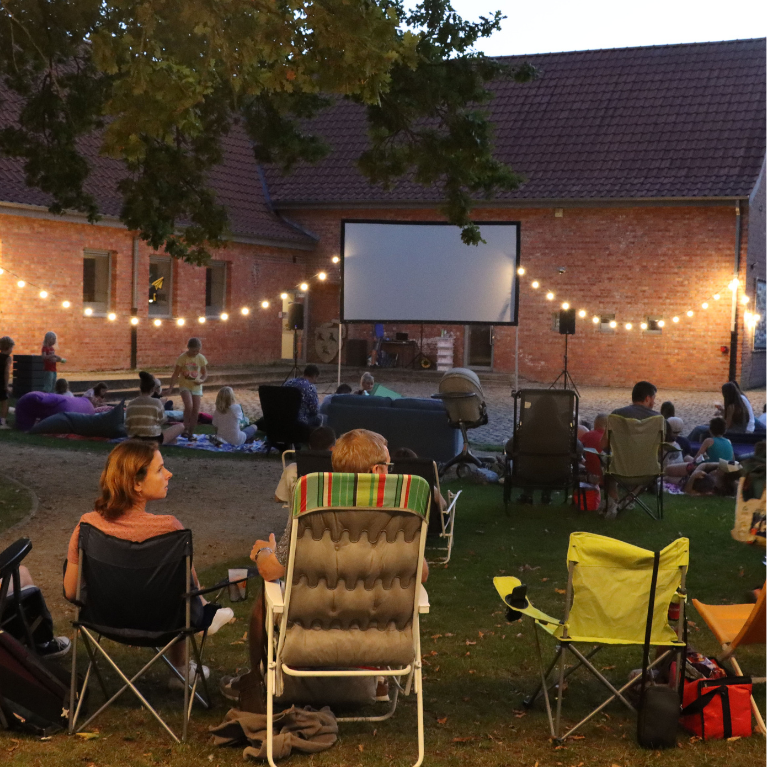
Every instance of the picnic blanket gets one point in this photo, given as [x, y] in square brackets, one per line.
[203, 442]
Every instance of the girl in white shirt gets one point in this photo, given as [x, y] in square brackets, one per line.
[227, 417]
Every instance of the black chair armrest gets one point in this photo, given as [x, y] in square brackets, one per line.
[222, 584]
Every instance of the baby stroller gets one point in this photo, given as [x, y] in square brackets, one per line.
[461, 393]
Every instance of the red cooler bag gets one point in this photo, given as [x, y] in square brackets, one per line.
[717, 708]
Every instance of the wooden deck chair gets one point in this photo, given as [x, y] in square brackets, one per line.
[441, 521]
[634, 459]
[608, 587]
[353, 592]
[735, 626]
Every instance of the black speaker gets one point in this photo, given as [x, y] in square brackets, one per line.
[296, 316]
[567, 322]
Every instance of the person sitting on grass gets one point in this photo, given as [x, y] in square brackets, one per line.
[708, 479]
[97, 395]
[227, 417]
[322, 438]
[145, 415]
[716, 446]
[359, 451]
[367, 382]
[133, 476]
[61, 387]
[6, 350]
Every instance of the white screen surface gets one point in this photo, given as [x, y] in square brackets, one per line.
[396, 272]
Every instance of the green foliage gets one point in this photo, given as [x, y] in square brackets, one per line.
[156, 84]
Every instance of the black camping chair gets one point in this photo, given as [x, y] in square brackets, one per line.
[543, 450]
[441, 523]
[280, 406]
[138, 594]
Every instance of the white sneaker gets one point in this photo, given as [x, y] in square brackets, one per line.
[223, 616]
[612, 509]
[174, 683]
[5, 426]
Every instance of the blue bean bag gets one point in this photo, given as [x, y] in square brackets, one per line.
[36, 405]
[110, 424]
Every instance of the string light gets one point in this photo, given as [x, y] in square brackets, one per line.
[21, 283]
[661, 323]
[264, 304]
[180, 322]
[335, 259]
[88, 311]
[43, 294]
[322, 276]
[628, 326]
[304, 286]
[550, 296]
[716, 296]
[2, 271]
[111, 316]
[134, 321]
[244, 311]
[284, 296]
[521, 270]
[643, 326]
[744, 300]
[675, 319]
[690, 313]
[582, 313]
[66, 304]
[565, 306]
[224, 316]
[613, 324]
[595, 319]
[704, 305]
[157, 323]
[201, 320]
[536, 284]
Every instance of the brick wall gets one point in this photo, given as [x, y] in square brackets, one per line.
[633, 262]
[50, 253]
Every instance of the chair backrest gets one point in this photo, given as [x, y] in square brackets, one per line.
[311, 461]
[754, 630]
[469, 410]
[280, 406]
[610, 582]
[545, 433]
[635, 445]
[134, 586]
[354, 570]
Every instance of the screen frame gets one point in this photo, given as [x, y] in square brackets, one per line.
[400, 222]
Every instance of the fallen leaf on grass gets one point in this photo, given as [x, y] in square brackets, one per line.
[361, 747]
[543, 580]
[87, 735]
[734, 737]
[469, 642]
[578, 737]
[518, 714]
[467, 739]
[449, 635]
[433, 652]
[561, 591]
[435, 637]
[607, 668]
[472, 671]
[442, 721]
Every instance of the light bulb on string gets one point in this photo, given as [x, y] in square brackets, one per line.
[304, 286]
[264, 304]
[521, 270]
[643, 325]
[613, 324]
[284, 296]
[43, 294]
[180, 322]
[2, 271]
[66, 304]
[595, 319]
[224, 316]
[744, 300]
[21, 283]
[88, 311]
[675, 319]
[111, 316]
[322, 276]
[535, 284]
[582, 313]
[335, 259]
[157, 323]
[661, 323]
[716, 296]
[565, 306]
[690, 313]
[201, 320]
[134, 321]
[704, 305]
[550, 296]
[244, 311]
[629, 326]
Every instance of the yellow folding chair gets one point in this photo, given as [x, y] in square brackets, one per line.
[606, 604]
[735, 626]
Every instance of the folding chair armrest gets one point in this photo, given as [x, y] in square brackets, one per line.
[284, 461]
[222, 584]
[505, 586]
[274, 596]
[423, 600]
[453, 499]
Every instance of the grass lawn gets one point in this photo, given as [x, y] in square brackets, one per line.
[15, 503]
[477, 666]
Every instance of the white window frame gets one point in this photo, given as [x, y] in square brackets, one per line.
[99, 308]
[169, 312]
[214, 311]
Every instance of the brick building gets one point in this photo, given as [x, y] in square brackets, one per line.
[645, 183]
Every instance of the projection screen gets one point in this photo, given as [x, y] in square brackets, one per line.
[422, 272]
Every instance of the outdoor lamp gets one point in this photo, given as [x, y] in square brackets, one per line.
[134, 320]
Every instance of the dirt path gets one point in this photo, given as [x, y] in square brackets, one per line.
[228, 504]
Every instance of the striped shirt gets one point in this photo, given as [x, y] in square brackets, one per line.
[144, 417]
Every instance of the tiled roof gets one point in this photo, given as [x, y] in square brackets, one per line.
[673, 121]
[236, 181]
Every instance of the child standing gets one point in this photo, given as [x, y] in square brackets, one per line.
[190, 372]
[6, 349]
[227, 417]
[50, 358]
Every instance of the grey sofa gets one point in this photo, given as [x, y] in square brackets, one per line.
[420, 424]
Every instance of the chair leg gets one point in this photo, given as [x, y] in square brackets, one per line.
[73, 683]
[419, 705]
[754, 708]
[187, 659]
[560, 692]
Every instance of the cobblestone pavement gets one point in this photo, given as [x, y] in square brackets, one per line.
[694, 407]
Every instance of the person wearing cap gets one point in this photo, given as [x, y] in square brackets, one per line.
[676, 425]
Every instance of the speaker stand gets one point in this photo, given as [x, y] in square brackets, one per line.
[567, 379]
[417, 358]
[294, 370]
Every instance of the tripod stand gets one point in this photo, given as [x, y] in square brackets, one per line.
[420, 357]
[294, 370]
[565, 375]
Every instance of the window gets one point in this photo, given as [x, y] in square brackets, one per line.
[160, 283]
[215, 288]
[605, 323]
[653, 327]
[96, 281]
